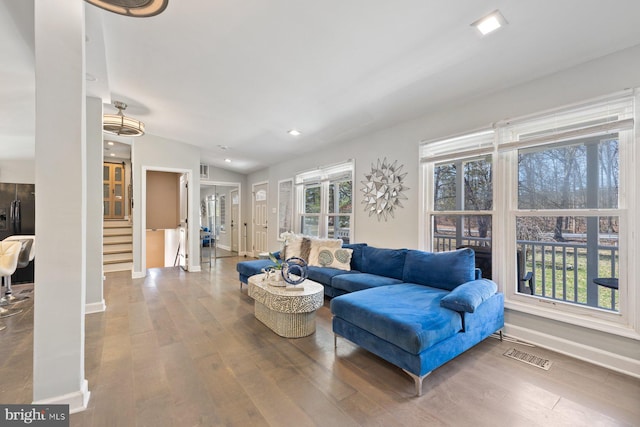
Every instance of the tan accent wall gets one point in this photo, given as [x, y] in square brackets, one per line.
[163, 200]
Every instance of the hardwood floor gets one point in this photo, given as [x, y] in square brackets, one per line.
[184, 349]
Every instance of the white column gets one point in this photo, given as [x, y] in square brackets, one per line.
[58, 348]
[95, 297]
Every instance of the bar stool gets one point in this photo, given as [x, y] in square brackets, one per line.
[9, 254]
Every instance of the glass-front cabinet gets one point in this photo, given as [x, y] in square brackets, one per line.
[113, 190]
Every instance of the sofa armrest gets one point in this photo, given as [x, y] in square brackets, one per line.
[468, 296]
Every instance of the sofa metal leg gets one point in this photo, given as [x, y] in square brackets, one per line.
[501, 336]
[335, 341]
[417, 380]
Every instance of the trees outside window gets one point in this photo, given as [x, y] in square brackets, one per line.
[326, 202]
[551, 200]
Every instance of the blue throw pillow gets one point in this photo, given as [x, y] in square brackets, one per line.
[443, 270]
[469, 296]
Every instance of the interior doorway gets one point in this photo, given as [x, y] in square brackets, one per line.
[219, 219]
[260, 217]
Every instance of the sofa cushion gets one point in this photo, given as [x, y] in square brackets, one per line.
[324, 275]
[356, 256]
[249, 268]
[406, 315]
[468, 296]
[359, 281]
[444, 270]
[339, 258]
[384, 262]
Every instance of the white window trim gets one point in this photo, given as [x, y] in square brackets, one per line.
[323, 176]
[626, 322]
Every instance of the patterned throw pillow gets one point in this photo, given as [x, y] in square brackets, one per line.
[339, 258]
[316, 244]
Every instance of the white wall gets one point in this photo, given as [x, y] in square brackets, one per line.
[19, 171]
[157, 153]
[400, 143]
[94, 296]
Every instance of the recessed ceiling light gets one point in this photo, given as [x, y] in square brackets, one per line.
[109, 142]
[227, 160]
[490, 23]
[294, 132]
[113, 154]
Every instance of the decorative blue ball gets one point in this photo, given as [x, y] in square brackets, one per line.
[294, 270]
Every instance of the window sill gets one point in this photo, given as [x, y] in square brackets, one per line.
[541, 308]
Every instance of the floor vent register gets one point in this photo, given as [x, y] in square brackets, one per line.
[528, 358]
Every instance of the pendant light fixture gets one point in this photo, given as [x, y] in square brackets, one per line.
[119, 124]
[135, 8]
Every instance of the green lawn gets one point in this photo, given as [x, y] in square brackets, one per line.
[575, 276]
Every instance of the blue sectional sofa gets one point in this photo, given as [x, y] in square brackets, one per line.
[415, 309]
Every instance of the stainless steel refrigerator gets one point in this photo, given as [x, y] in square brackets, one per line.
[18, 216]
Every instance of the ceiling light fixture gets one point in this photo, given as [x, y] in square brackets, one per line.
[119, 124]
[490, 23]
[227, 160]
[294, 132]
[134, 8]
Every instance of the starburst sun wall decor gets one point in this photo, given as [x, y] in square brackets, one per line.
[383, 189]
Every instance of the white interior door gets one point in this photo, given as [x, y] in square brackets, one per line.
[260, 193]
[235, 204]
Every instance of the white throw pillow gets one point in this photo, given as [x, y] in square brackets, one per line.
[339, 258]
[292, 247]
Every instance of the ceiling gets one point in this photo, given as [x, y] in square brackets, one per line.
[239, 75]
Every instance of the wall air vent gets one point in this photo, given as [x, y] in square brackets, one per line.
[204, 171]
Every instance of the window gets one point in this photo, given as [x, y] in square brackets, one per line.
[460, 201]
[222, 211]
[559, 217]
[567, 216]
[325, 202]
[285, 206]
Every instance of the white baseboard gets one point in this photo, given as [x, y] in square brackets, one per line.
[95, 307]
[593, 355]
[138, 274]
[194, 268]
[77, 401]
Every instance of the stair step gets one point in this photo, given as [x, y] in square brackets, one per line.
[123, 266]
[116, 259]
[118, 231]
[111, 240]
[126, 253]
[113, 248]
[116, 223]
